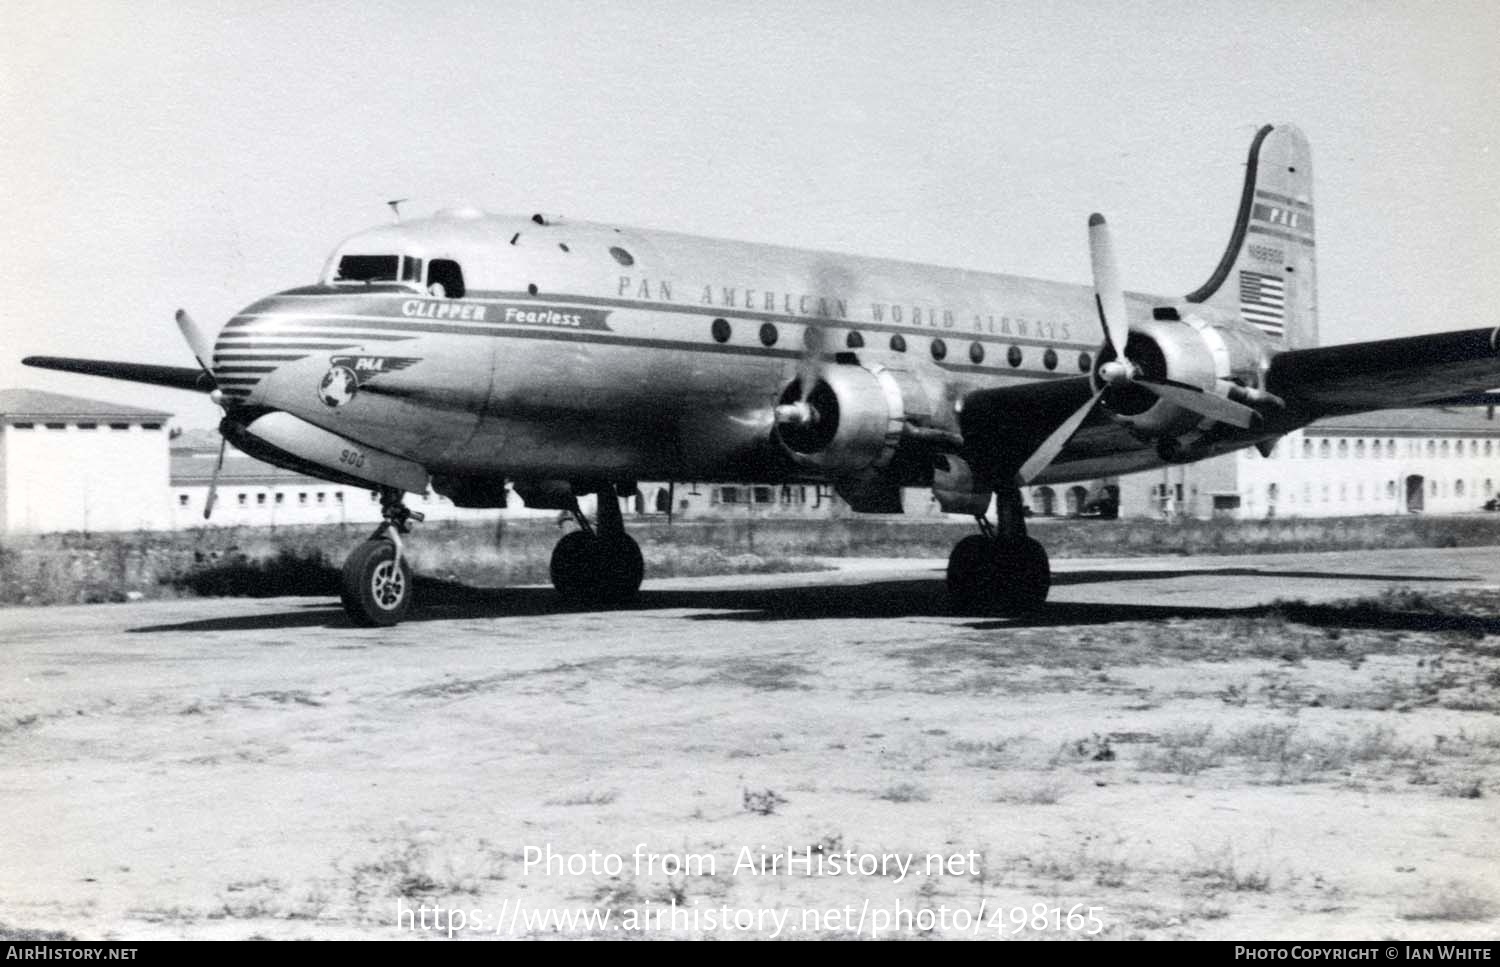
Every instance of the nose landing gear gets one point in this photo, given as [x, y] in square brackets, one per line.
[598, 564]
[999, 570]
[376, 585]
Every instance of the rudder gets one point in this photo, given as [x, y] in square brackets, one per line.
[1268, 273]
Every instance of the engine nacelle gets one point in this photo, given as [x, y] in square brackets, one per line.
[290, 442]
[852, 421]
[1194, 351]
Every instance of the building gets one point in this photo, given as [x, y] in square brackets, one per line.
[73, 464]
[1437, 461]
[68, 463]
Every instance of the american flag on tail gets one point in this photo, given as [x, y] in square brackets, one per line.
[1263, 301]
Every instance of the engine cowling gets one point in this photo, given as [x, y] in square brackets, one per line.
[850, 422]
[1215, 356]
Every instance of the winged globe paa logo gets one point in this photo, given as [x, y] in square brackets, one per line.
[346, 374]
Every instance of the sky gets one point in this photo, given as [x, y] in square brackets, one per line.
[205, 154]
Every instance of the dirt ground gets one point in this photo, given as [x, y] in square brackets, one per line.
[1158, 755]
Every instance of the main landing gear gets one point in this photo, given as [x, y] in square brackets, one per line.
[999, 570]
[376, 586]
[598, 564]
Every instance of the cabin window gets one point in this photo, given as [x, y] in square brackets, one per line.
[939, 349]
[898, 343]
[768, 334]
[1014, 356]
[976, 353]
[622, 256]
[1049, 359]
[445, 279]
[854, 341]
[1085, 362]
[368, 268]
[720, 330]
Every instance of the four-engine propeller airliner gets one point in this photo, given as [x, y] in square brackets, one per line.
[477, 353]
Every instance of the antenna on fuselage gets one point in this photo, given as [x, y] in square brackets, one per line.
[396, 204]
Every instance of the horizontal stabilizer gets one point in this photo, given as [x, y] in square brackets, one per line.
[176, 377]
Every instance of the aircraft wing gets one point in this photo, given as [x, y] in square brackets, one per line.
[176, 377]
[1441, 369]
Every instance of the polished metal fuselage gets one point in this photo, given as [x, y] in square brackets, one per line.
[582, 351]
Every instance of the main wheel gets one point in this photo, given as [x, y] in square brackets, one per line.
[971, 573]
[376, 591]
[621, 569]
[1022, 576]
[589, 569]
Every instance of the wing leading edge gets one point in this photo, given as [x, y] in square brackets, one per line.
[175, 377]
[1445, 368]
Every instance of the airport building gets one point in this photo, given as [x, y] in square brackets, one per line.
[74, 464]
[1436, 461]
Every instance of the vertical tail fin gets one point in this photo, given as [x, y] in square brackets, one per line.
[1268, 274]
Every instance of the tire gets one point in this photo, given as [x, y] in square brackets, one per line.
[594, 570]
[1023, 576]
[574, 564]
[971, 573]
[375, 593]
[621, 569]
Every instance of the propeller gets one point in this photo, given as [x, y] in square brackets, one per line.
[1109, 301]
[202, 351]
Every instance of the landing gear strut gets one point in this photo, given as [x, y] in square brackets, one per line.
[999, 570]
[376, 585]
[598, 564]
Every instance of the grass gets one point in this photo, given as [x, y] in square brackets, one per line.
[77, 568]
[1454, 903]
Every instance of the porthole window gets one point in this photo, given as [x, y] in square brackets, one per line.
[720, 330]
[768, 334]
[1013, 356]
[622, 256]
[976, 353]
[898, 343]
[939, 349]
[1049, 359]
[1085, 362]
[854, 341]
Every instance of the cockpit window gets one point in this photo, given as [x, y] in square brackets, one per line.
[411, 269]
[368, 268]
[445, 278]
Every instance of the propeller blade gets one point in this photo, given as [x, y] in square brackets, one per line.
[1202, 402]
[810, 366]
[213, 484]
[196, 340]
[1052, 446]
[1109, 298]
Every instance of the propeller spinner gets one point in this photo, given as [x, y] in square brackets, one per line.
[1121, 371]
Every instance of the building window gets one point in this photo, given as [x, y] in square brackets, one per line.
[302, 498]
[119, 426]
[1307, 449]
[1458, 488]
[182, 500]
[1444, 449]
[729, 495]
[1375, 450]
[1489, 447]
[88, 426]
[763, 495]
[1390, 488]
[244, 500]
[338, 496]
[280, 498]
[1325, 449]
[321, 495]
[260, 500]
[1432, 448]
[1343, 449]
[1359, 449]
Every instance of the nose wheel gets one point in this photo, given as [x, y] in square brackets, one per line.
[598, 564]
[376, 582]
[999, 570]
